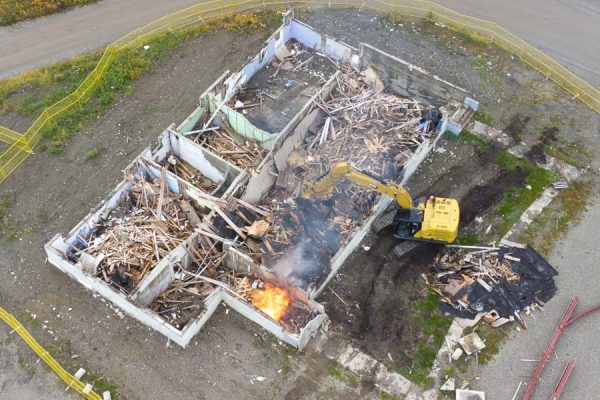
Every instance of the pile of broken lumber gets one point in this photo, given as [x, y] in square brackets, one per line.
[497, 284]
[215, 133]
[129, 241]
[244, 155]
[366, 126]
[184, 298]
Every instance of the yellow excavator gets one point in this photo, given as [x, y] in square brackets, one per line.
[435, 220]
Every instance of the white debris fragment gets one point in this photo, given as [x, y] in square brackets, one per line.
[146, 47]
[457, 354]
[465, 394]
[448, 386]
[471, 343]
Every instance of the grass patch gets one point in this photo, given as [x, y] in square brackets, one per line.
[8, 230]
[518, 199]
[554, 222]
[30, 93]
[101, 384]
[386, 396]
[468, 137]
[285, 351]
[61, 352]
[94, 152]
[572, 153]
[13, 11]
[483, 117]
[478, 64]
[468, 239]
[286, 359]
[344, 375]
[434, 327]
[492, 337]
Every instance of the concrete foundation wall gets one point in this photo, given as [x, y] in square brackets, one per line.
[408, 80]
[97, 285]
[210, 165]
[161, 276]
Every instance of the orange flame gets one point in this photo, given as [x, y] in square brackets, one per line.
[271, 300]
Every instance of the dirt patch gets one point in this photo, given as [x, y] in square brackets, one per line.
[536, 153]
[379, 291]
[482, 196]
[517, 126]
[549, 135]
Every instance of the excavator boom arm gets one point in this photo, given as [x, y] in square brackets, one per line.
[326, 183]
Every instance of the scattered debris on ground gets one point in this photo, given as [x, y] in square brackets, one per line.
[496, 284]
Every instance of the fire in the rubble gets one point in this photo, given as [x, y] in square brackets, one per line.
[272, 300]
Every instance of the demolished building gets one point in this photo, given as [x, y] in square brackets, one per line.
[214, 212]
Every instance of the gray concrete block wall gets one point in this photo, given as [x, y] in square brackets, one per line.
[408, 80]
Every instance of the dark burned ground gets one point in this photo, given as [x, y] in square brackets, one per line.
[379, 292]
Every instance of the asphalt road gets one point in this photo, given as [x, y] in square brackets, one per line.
[45, 40]
[568, 30]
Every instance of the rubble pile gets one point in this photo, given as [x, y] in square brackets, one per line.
[496, 284]
[129, 241]
[224, 141]
[372, 128]
[185, 298]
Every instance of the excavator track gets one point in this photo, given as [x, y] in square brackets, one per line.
[405, 247]
[384, 221]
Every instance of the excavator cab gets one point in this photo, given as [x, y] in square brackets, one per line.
[407, 222]
[440, 220]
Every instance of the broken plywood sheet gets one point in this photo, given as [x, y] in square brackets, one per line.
[471, 343]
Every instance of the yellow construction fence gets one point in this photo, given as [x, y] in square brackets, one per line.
[69, 379]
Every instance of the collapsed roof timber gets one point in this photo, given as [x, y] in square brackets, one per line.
[213, 214]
